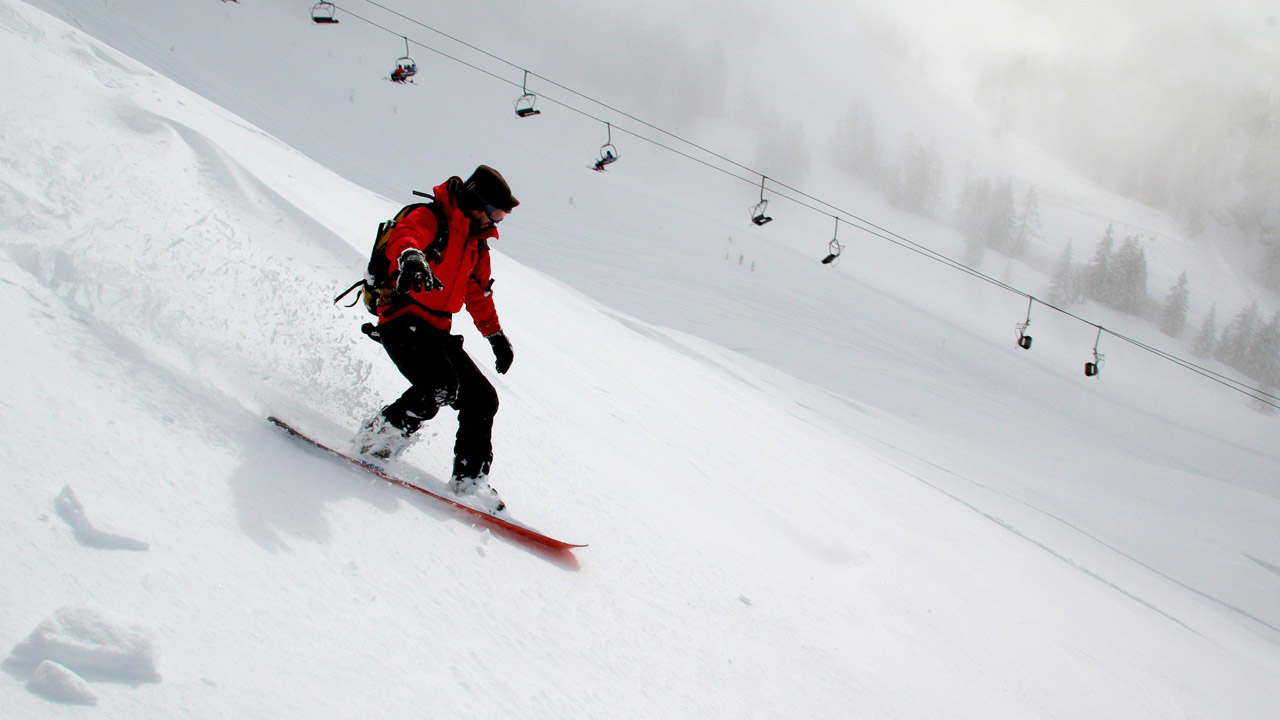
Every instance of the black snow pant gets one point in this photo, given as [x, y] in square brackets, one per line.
[441, 373]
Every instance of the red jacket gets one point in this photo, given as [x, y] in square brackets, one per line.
[464, 269]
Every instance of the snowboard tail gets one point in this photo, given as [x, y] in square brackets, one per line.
[493, 520]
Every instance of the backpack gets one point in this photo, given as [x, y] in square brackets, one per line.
[377, 288]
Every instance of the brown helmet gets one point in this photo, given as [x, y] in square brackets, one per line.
[492, 189]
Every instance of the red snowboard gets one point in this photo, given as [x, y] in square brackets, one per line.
[507, 525]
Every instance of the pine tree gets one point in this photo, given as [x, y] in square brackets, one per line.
[1233, 347]
[972, 201]
[987, 213]
[1097, 276]
[915, 184]
[1062, 286]
[1262, 361]
[856, 145]
[1271, 263]
[1127, 286]
[1173, 313]
[1207, 339]
[1027, 226]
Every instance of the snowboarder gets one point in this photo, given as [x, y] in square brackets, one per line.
[432, 283]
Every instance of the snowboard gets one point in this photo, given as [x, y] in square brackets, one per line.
[493, 520]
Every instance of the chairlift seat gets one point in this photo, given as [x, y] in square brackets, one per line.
[757, 213]
[323, 13]
[608, 156]
[834, 248]
[524, 105]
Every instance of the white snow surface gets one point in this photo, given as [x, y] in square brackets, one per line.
[73, 514]
[808, 492]
[86, 641]
[58, 683]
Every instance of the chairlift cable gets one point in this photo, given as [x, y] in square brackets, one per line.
[428, 48]
[804, 199]
[552, 99]
[443, 34]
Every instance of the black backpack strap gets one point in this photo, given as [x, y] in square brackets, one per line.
[435, 249]
[347, 292]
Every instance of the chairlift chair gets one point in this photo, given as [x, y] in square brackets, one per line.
[405, 69]
[524, 103]
[1091, 368]
[1024, 340]
[608, 156]
[405, 66]
[323, 13]
[608, 153]
[834, 248]
[757, 211]
[524, 106]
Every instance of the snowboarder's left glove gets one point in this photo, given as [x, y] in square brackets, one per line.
[502, 352]
[415, 274]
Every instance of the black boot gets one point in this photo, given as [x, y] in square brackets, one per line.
[471, 478]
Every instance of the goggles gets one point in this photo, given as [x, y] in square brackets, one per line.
[495, 214]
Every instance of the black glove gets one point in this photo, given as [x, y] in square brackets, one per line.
[415, 274]
[502, 352]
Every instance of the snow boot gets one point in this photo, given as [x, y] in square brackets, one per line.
[378, 439]
[471, 480]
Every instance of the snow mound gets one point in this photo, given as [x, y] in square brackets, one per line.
[90, 642]
[72, 512]
[58, 683]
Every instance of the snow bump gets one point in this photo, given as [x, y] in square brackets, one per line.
[90, 643]
[58, 683]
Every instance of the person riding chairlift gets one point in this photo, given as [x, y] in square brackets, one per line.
[403, 72]
[605, 159]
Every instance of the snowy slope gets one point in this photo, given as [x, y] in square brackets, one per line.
[942, 527]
